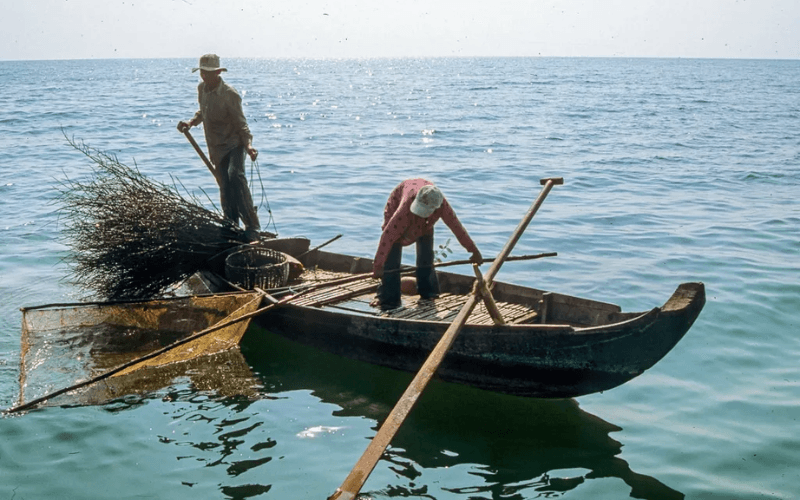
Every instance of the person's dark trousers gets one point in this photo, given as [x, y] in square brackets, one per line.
[389, 289]
[234, 194]
[427, 282]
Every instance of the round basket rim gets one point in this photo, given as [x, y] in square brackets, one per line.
[230, 259]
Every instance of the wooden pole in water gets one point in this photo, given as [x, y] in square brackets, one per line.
[363, 468]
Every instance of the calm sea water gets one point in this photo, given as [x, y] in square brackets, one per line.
[675, 170]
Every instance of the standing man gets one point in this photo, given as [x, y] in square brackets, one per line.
[414, 206]
[228, 138]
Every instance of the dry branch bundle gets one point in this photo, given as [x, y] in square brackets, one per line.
[131, 237]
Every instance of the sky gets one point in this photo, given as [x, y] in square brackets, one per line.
[99, 29]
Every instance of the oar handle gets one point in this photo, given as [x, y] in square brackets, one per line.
[200, 152]
[555, 181]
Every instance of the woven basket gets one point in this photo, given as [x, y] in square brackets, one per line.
[257, 267]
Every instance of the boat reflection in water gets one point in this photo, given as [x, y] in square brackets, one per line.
[512, 443]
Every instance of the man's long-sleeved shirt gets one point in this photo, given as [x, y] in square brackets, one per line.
[399, 224]
[224, 124]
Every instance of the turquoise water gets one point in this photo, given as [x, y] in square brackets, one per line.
[675, 170]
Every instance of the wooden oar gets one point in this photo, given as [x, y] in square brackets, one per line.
[200, 152]
[363, 468]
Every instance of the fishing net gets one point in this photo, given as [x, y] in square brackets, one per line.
[133, 238]
[64, 344]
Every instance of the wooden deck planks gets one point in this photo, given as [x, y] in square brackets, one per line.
[443, 308]
[339, 293]
[446, 307]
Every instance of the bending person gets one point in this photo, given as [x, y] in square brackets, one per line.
[413, 208]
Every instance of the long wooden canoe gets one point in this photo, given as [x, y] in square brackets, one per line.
[551, 345]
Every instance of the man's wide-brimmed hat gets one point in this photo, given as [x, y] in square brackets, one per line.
[209, 62]
[428, 199]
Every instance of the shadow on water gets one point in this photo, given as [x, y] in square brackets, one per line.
[513, 443]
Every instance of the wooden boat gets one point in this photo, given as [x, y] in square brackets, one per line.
[552, 345]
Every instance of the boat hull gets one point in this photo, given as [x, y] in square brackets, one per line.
[584, 346]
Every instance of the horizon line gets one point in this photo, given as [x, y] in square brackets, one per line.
[359, 58]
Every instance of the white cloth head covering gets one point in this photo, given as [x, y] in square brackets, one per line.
[428, 199]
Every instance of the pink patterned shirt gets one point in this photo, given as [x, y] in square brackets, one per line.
[399, 224]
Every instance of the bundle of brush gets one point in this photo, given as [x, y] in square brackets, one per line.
[132, 238]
